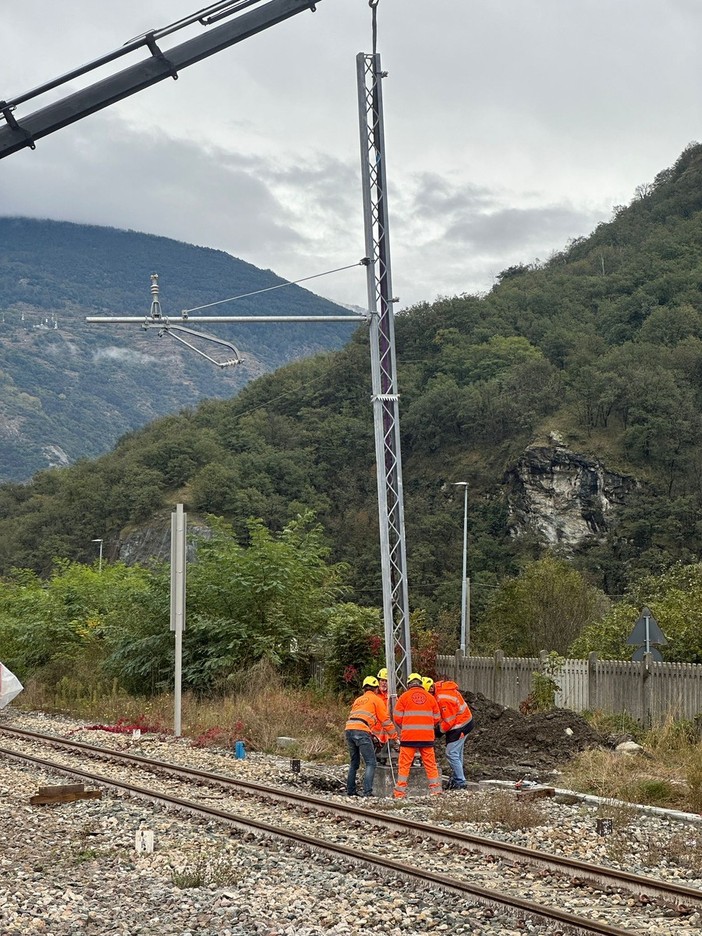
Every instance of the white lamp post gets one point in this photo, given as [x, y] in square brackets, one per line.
[100, 559]
[465, 590]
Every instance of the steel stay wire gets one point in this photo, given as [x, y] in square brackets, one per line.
[256, 292]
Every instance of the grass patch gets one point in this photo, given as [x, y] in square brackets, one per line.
[667, 773]
[693, 778]
[654, 792]
[674, 736]
[615, 725]
[190, 876]
[630, 844]
[683, 850]
[257, 713]
[87, 854]
[220, 871]
[500, 809]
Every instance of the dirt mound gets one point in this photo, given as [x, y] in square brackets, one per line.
[508, 745]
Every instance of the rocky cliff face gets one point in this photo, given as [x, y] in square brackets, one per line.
[563, 497]
[152, 542]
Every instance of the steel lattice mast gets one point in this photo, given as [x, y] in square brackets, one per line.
[161, 64]
[386, 418]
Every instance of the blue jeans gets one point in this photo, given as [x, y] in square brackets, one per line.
[454, 755]
[360, 743]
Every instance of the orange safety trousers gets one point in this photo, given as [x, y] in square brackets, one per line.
[404, 762]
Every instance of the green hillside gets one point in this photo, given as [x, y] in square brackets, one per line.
[70, 390]
[601, 344]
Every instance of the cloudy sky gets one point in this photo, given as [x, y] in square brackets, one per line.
[511, 127]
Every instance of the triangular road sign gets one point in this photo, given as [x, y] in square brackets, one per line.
[655, 634]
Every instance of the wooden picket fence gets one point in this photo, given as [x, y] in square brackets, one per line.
[648, 691]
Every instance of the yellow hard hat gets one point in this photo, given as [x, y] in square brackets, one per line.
[413, 677]
[383, 673]
[371, 681]
[427, 682]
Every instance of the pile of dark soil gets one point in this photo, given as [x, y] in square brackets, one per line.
[506, 745]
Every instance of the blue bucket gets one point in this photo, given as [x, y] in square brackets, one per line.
[239, 750]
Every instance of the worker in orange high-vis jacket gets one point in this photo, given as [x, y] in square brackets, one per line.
[367, 713]
[456, 722]
[416, 715]
[379, 734]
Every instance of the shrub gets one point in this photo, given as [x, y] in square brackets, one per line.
[653, 792]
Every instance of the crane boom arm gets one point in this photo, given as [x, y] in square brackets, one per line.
[18, 133]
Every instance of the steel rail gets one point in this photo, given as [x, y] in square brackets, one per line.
[482, 895]
[579, 870]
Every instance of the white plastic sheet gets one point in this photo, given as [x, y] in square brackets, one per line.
[10, 686]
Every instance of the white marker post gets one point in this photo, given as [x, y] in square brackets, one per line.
[144, 841]
[179, 523]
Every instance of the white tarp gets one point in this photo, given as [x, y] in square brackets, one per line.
[10, 686]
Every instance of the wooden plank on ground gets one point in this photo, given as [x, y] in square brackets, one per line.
[42, 799]
[64, 788]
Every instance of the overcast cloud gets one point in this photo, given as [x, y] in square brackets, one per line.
[512, 126]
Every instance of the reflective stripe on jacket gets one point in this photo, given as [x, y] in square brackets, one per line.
[416, 714]
[454, 708]
[368, 712]
[378, 731]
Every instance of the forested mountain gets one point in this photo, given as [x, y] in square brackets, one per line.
[69, 389]
[601, 346]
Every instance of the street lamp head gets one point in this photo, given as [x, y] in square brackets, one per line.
[460, 483]
[100, 541]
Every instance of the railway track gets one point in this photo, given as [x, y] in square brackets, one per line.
[465, 853]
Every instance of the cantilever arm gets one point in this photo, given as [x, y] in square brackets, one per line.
[18, 132]
[165, 328]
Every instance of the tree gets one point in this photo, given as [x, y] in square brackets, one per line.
[71, 619]
[675, 600]
[270, 598]
[544, 608]
[356, 647]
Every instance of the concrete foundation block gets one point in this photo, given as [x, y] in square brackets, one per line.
[384, 781]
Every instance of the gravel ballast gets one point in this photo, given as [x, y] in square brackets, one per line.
[73, 868]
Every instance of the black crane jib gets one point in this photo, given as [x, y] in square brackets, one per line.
[21, 132]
